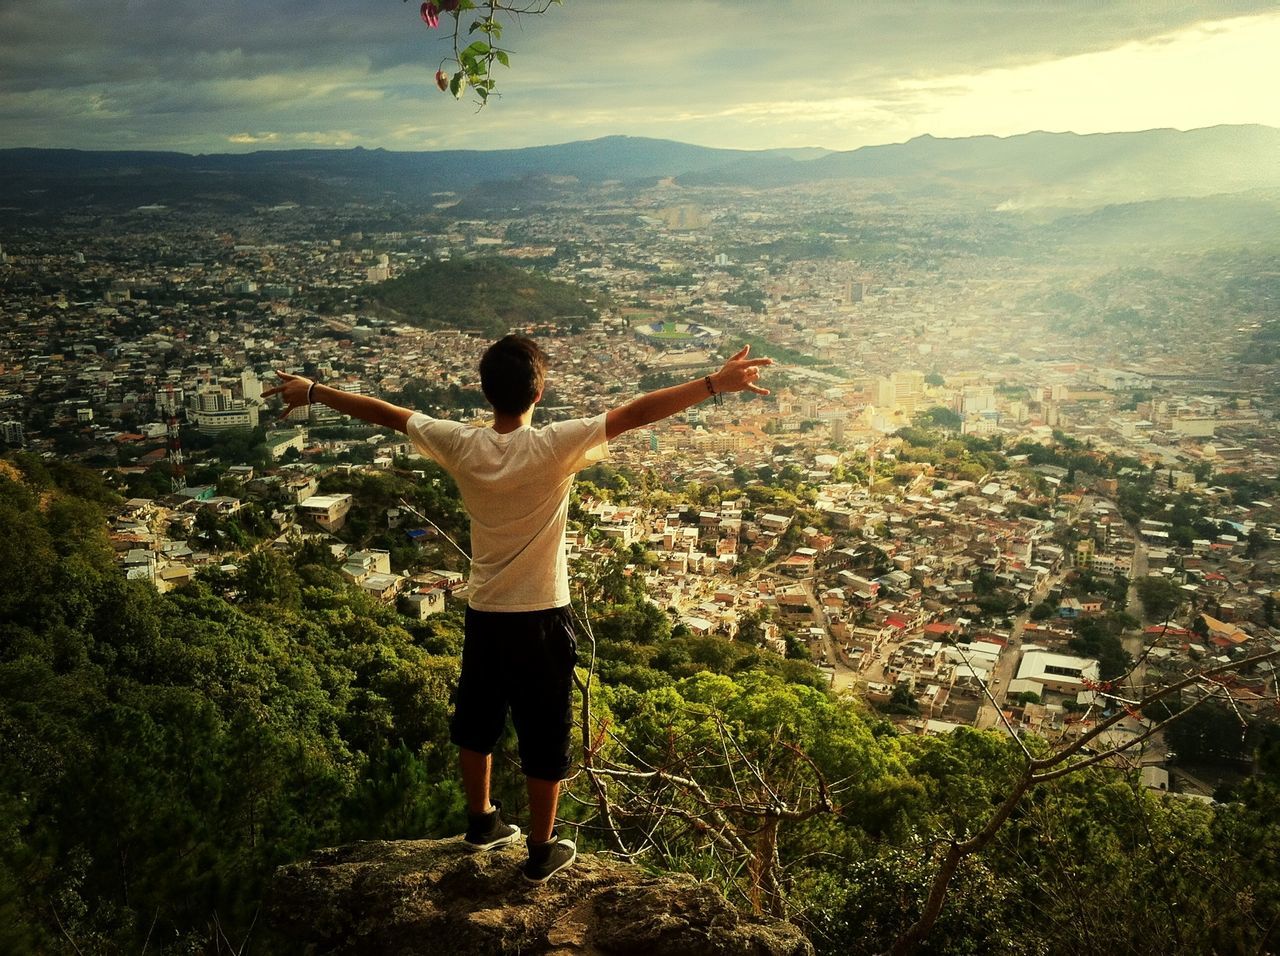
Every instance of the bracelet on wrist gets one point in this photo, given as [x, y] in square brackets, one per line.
[711, 389]
[310, 389]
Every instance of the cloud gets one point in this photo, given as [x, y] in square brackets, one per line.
[1199, 76]
[196, 75]
[251, 139]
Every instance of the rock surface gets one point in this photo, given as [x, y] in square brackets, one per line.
[432, 897]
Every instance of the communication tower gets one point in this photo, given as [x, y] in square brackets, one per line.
[177, 464]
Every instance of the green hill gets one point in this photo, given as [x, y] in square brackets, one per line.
[485, 295]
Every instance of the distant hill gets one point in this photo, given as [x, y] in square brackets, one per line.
[59, 178]
[1033, 171]
[1039, 169]
[1193, 222]
[487, 295]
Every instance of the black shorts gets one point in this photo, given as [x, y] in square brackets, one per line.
[522, 660]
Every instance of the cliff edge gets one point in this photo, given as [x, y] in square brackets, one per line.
[429, 897]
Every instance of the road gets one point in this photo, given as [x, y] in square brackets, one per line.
[1133, 643]
[1006, 667]
[843, 677]
[1007, 664]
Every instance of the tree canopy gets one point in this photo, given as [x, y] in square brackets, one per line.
[164, 752]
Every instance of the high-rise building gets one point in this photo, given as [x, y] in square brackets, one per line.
[250, 386]
[884, 393]
[11, 432]
[213, 409]
[212, 398]
[908, 391]
[323, 414]
[169, 400]
[977, 398]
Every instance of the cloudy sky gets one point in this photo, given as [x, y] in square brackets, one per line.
[237, 75]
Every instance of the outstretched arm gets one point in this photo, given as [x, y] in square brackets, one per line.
[298, 391]
[738, 374]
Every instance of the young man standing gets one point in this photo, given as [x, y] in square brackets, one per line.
[519, 647]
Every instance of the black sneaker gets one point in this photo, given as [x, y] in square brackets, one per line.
[486, 831]
[547, 859]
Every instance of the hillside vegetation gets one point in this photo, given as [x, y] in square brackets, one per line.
[164, 753]
[486, 295]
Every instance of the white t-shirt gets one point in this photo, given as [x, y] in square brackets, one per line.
[515, 487]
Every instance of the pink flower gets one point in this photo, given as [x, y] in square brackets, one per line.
[442, 80]
[431, 15]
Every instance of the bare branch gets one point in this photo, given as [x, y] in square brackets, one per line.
[1041, 770]
[588, 748]
[1071, 750]
[991, 697]
[150, 929]
[1114, 751]
[63, 930]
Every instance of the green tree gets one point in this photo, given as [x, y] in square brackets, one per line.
[939, 417]
[1043, 611]
[268, 576]
[902, 701]
[1160, 597]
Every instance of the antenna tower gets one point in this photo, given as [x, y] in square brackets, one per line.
[177, 464]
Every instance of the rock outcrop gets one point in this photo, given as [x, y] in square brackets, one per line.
[434, 897]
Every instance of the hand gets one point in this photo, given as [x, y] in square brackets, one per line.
[293, 390]
[740, 373]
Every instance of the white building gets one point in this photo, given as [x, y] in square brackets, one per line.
[250, 386]
[328, 511]
[214, 409]
[1043, 670]
[1193, 427]
[277, 445]
[422, 604]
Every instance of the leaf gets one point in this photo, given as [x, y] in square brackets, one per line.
[479, 48]
[458, 84]
[502, 57]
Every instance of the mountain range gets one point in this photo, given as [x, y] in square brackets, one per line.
[1032, 171]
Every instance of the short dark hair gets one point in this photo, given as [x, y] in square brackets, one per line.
[512, 373]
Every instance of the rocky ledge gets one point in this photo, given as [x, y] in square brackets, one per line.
[431, 897]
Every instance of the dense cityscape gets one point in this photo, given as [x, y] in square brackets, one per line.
[942, 456]
[1003, 480]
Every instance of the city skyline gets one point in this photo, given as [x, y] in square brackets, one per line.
[238, 77]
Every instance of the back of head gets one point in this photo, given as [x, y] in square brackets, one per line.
[512, 373]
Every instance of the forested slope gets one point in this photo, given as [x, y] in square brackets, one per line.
[489, 296]
[162, 754]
